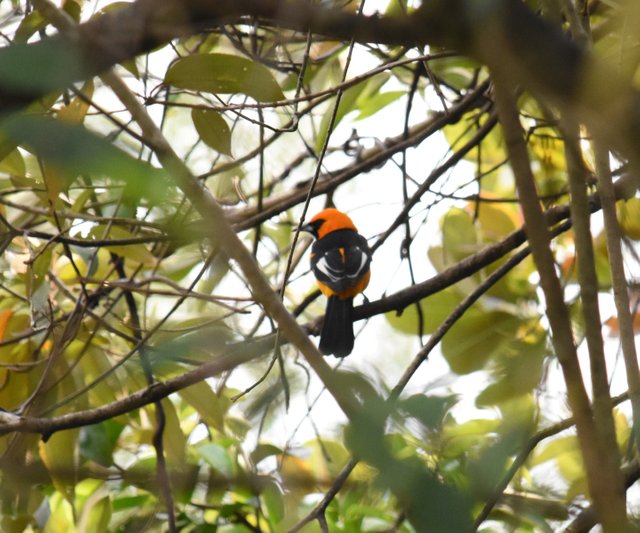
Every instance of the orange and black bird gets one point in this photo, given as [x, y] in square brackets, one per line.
[340, 259]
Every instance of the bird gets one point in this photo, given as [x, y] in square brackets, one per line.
[340, 262]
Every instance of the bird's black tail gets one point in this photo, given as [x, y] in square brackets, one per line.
[337, 331]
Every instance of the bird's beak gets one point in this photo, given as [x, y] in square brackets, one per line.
[308, 228]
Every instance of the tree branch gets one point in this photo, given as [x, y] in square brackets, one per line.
[604, 482]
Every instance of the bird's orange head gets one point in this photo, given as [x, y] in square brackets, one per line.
[328, 220]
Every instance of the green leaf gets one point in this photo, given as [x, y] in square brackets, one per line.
[92, 497]
[213, 129]
[224, 74]
[430, 505]
[496, 221]
[396, 8]
[377, 102]
[435, 309]
[429, 410]
[58, 64]
[347, 104]
[459, 234]
[457, 71]
[472, 341]
[60, 517]
[262, 451]
[274, 503]
[76, 150]
[218, 458]
[175, 441]
[13, 163]
[130, 502]
[29, 25]
[206, 402]
[76, 110]
[629, 217]
[98, 441]
[556, 448]
[517, 370]
[59, 456]
[461, 439]
[138, 253]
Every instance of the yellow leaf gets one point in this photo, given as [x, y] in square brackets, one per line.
[60, 455]
[629, 217]
[77, 108]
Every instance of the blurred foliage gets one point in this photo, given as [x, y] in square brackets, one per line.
[104, 262]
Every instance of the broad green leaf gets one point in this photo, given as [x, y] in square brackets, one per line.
[274, 502]
[68, 269]
[75, 150]
[456, 71]
[30, 24]
[142, 473]
[17, 385]
[60, 456]
[13, 163]
[516, 285]
[131, 502]
[15, 524]
[175, 441]
[224, 74]
[180, 264]
[520, 416]
[459, 234]
[472, 341]
[9, 155]
[38, 276]
[462, 438]
[92, 498]
[565, 452]
[496, 220]
[554, 449]
[430, 504]
[213, 129]
[435, 309]
[58, 65]
[551, 183]
[517, 370]
[347, 104]
[218, 458]
[224, 186]
[137, 253]
[429, 410]
[75, 111]
[629, 217]
[98, 441]
[61, 515]
[354, 98]
[377, 102]
[262, 451]
[327, 457]
[206, 402]
[95, 364]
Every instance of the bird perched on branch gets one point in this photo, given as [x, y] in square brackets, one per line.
[340, 259]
